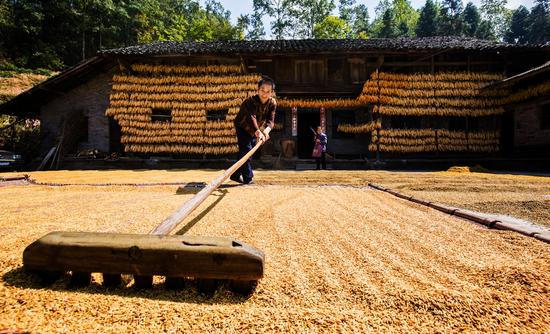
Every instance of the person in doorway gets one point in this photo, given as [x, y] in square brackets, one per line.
[253, 122]
[321, 140]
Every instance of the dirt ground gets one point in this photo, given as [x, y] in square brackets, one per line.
[340, 257]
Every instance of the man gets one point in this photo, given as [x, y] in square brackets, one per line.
[256, 112]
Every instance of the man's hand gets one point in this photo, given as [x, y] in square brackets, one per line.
[260, 136]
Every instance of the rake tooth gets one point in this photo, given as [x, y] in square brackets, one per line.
[80, 279]
[174, 283]
[111, 280]
[243, 287]
[207, 286]
[143, 282]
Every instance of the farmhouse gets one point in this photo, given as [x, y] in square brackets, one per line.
[430, 98]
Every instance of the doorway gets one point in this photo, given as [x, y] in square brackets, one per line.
[308, 119]
[115, 136]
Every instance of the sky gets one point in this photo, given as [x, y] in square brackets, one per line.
[238, 7]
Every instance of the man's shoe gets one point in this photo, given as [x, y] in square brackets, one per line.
[238, 179]
[248, 181]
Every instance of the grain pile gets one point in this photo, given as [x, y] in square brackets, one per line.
[339, 258]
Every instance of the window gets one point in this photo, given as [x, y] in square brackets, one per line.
[342, 117]
[544, 117]
[309, 71]
[457, 123]
[336, 70]
[216, 115]
[357, 70]
[161, 115]
[405, 122]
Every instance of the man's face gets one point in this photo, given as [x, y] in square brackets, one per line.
[265, 92]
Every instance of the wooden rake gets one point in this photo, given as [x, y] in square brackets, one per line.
[208, 260]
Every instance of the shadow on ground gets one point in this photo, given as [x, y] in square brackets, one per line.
[19, 278]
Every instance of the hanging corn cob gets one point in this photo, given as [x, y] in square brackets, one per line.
[359, 128]
[337, 103]
[440, 94]
[188, 92]
[430, 140]
[534, 91]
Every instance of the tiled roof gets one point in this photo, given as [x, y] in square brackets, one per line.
[313, 45]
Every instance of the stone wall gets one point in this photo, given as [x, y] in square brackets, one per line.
[528, 123]
[91, 99]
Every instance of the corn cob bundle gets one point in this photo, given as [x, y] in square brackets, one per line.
[403, 149]
[129, 111]
[164, 132]
[182, 69]
[220, 133]
[224, 140]
[414, 111]
[188, 92]
[221, 150]
[129, 139]
[165, 148]
[428, 140]
[185, 88]
[187, 80]
[176, 104]
[219, 125]
[423, 85]
[484, 135]
[359, 128]
[337, 103]
[233, 111]
[189, 119]
[184, 113]
[442, 94]
[191, 97]
[441, 76]
[160, 125]
[407, 133]
[534, 91]
[439, 102]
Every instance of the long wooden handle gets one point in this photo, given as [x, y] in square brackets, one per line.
[171, 222]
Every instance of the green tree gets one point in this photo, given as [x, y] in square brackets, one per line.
[255, 26]
[346, 9]
[361, 25]
[389, 27]
[428, 21]
[471, 19]
[308, 13]
[405, 15]
[494, 11]
[355, 16]
[539, 22]
[450, 18]
[331, 27]
[485, 31]
[518, 31]
[393, 22]
[283, 13]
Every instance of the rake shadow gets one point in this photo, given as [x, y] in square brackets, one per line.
[19, 278]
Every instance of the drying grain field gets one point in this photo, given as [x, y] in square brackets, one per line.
[340, 257]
